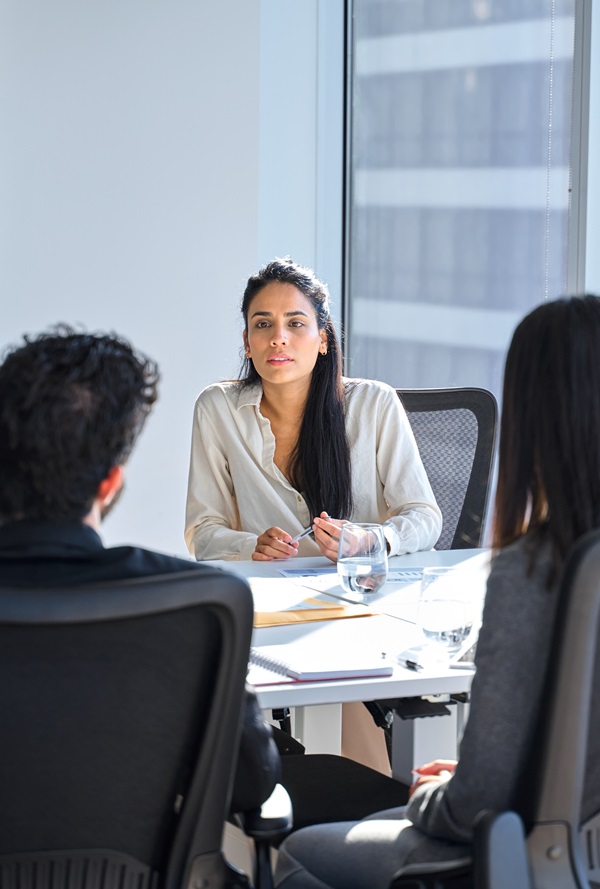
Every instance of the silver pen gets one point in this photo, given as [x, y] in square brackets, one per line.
[302, 534]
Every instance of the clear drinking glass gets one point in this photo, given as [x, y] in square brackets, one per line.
[443, 614]
[362, 558]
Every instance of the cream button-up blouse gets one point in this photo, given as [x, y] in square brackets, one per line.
[236, 491]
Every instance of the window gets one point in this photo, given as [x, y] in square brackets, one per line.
[459, 182]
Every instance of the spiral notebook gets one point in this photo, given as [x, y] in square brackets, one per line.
[267, 666]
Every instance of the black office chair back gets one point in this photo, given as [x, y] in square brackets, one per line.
[455, 430]
[121, 708]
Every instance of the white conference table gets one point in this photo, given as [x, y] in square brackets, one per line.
[317, 705]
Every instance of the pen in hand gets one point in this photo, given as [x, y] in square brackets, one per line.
[301, 535]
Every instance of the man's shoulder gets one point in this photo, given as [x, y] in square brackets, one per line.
[72, 554]
[136, 561]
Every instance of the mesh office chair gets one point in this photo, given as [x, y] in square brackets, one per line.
[121, 710]
[561, 783]
[455, 430]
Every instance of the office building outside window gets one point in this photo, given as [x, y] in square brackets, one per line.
[459, 182]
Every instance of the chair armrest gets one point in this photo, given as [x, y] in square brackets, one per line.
[272, 821]
[500, 851]
[499, 860]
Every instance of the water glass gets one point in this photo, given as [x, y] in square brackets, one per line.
[362, 558]
[443, 614]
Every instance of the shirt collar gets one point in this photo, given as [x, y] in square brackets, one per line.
[250, 395]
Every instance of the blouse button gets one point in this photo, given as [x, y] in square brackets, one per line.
[299, 499]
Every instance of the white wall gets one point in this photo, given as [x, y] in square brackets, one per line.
[152, 154]
[128, 201]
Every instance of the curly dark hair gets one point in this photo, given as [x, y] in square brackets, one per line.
[71, 407]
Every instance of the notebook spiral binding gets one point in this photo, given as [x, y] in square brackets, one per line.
[270, 663]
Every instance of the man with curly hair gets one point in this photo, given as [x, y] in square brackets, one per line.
[71, 408]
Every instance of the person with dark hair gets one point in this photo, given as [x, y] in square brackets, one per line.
[293, 444]
[548, 497]
[71, 408]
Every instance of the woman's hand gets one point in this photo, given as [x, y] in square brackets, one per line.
[327, 535]
[437, 772]
[274, 544]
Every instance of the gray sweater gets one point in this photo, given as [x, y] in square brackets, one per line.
[512, 657]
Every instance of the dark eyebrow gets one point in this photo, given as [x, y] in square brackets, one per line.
[286, 314]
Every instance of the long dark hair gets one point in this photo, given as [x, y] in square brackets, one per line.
[549, 465]
[320, 462]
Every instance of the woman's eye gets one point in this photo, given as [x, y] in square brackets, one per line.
[261, 324]
[296, 324]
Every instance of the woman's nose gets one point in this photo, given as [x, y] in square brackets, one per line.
[278, 336]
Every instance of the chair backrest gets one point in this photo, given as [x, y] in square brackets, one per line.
[121, 710]
[561, 849]
[455, 430]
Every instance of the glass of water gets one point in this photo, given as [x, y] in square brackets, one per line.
[362, 558]
[443, 614]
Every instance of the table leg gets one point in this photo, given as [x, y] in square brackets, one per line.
[416, 741]
[319, 728]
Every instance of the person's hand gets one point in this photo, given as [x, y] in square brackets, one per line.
[327, 535]
[274, 544]
[437, 772]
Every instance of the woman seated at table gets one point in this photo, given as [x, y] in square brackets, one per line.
[294, 444]
[548, 496]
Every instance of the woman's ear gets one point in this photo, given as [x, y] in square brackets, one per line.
[323, 346]
[246, 346]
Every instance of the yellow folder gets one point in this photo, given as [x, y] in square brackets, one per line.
[312, 609]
